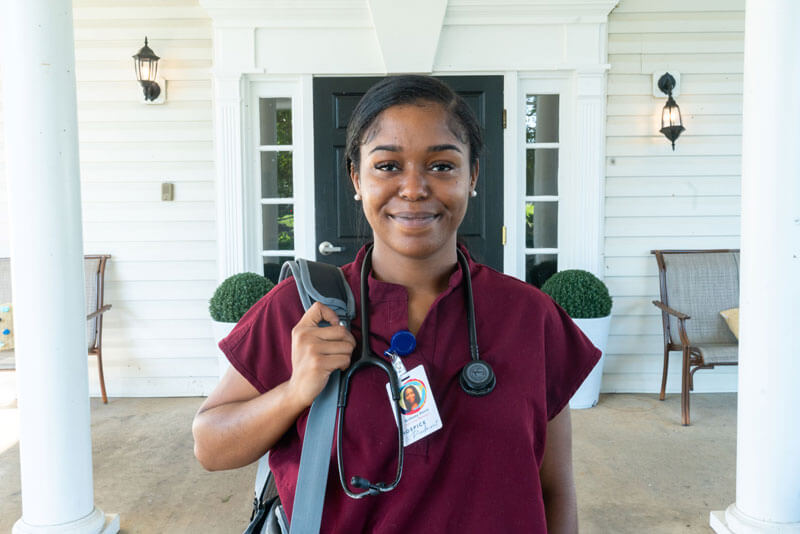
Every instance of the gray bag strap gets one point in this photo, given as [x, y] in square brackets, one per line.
[323, 283]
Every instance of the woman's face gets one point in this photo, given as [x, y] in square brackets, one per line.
[410, 396]
[414, 180]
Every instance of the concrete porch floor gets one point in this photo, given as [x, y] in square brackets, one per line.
[637, 469]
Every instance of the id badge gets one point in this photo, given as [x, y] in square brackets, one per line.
[417, 406]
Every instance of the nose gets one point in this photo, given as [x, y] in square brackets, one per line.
[413, 185]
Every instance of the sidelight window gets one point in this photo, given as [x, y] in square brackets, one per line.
[276, 168]
[541, 186]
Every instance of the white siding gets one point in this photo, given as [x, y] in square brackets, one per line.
[157, 337]
[657, 198]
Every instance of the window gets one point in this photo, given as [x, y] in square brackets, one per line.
[541, 186]
[276, 170]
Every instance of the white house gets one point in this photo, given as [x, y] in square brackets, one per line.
[606, 186]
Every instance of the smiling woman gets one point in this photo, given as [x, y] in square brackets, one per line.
[499, 457]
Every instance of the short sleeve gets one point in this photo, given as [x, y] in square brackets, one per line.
[260, 345]
[570, 357]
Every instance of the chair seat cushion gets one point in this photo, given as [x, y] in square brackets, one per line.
[719, 353]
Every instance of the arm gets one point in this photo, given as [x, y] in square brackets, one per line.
[558, 483]
[236, 425]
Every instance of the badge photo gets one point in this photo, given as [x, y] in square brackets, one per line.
[412, 396]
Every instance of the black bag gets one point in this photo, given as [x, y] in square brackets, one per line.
[268, 516]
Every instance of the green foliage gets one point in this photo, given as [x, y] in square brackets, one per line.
[283, 126]
[236, 295]
[530, 119]
[286, 231]
[580, 293]
[529, 216]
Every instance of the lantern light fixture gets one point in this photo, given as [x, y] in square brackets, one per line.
[146, 66]
[671, 122]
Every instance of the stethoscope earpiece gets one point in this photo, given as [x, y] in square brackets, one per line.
[477, 378]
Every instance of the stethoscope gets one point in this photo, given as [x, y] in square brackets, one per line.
[477, 378]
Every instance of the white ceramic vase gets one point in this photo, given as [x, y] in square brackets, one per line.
[221, 331]
[589, 392]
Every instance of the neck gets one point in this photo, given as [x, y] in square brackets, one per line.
[419, 275]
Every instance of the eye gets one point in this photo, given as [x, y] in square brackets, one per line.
[387, 166]
[441, 166]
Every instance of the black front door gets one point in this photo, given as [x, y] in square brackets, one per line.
[339, 219]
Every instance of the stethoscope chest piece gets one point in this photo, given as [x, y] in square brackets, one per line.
[477, 378]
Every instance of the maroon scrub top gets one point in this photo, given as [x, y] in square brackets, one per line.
[480, 472]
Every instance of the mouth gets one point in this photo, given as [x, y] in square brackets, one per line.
[414, 219]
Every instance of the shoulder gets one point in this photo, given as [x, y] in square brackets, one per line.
[281, 300]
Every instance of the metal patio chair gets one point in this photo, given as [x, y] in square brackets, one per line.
[695, 286]
[94, 276]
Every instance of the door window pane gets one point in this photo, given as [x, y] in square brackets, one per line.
[540, 267]
[541, 171]
[272, 266]
[541, 118]
[541, 224]
[276, 175]
[278, 226]
[275, 120]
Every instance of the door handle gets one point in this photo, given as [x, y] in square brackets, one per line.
[326, 248]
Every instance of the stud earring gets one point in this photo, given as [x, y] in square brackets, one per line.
[473, 193]
[357, 197]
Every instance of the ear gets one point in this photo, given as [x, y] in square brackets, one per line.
[354, 178]
[473, 177]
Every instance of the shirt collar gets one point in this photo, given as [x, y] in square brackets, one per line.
[380, 290]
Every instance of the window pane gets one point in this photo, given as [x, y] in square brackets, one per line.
[276, 175]
[540, 267]
[541, 119]
[541, 171]
[541, 224]
[278, 224]
[275, 119]
[272, 266]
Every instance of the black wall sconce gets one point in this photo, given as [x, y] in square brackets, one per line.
[146, 65]
[671, 122]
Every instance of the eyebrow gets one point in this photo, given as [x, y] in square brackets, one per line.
[434, 148]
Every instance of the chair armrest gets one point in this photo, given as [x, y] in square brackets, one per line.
[682, 317]
[98, 312]
[676, 313]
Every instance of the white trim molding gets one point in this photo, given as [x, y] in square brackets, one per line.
[230, 194]
[408, 42]
[553, 43]
[583, 190]
[234, 55]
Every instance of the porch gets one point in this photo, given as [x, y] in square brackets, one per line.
[637, 469]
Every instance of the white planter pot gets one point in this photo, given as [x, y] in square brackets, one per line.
[589, 392]
[221, 331]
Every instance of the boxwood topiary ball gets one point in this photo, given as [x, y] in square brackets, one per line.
[580, 293]
[236, 295]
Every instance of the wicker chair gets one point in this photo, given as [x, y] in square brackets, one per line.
[695, 286]
[94, 271]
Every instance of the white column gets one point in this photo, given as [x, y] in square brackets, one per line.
[583, 193]
[234, 56]
[231, 223]
[768, 463]
[41, 135]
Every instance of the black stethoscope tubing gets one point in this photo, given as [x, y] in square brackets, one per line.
[368, 358]
[476, 378]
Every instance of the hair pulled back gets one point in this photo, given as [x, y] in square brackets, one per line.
[411, 89]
